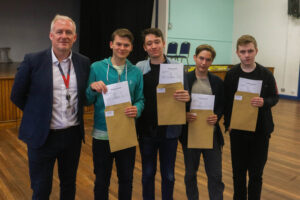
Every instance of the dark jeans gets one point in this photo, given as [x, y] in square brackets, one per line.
[213, 167]
[249, 152]
[103, 162]
[167, 155]
[65, 147]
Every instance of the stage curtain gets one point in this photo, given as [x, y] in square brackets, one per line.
[99, 18]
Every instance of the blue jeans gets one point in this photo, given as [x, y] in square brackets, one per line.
[213, 167]
[249, 153]
[103, 161]
[64, 147]
[167, 149]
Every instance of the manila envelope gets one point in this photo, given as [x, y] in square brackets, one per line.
[169, 110]
[200, 133]
[244, 115]
[120, 128]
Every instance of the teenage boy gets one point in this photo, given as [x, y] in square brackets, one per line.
[249, 150]
[203, 82]
[152, 137]
[108, 71]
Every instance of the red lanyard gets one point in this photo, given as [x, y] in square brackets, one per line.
[66, 80]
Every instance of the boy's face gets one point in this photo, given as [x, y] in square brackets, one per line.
[154, 46]
[203, 60]
[247, 54]
[121, 47]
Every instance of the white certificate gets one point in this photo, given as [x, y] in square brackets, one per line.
[117, 93]
[249, 85]
[171, 73]
[202, 102]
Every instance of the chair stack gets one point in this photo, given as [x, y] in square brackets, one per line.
[172, 50]
[183, 52]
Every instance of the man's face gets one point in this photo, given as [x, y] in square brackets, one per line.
[154, 46]
[121, 47]
[62, 36]
[247, 54]
[203, 60]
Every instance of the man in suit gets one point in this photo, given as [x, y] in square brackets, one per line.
[50, 88]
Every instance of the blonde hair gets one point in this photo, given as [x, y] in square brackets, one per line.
[61, 17]
[246, 39]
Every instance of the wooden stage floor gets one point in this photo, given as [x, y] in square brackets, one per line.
[281, 176]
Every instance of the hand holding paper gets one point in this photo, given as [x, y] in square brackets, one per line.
[190, 116]
[99, 86]
[257, 101]
[212, 119]
[131, 111]
[182, 95]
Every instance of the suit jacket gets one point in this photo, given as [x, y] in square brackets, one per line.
[32, 92]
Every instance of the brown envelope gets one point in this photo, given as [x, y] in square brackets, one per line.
[244, 115]
[200, 133]
[169, 111]
[120, 128]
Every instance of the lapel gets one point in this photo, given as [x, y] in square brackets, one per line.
[191, 79]
[47, 62]
[212, 83]
[76, 65]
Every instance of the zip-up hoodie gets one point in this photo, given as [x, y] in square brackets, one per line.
[104, 71]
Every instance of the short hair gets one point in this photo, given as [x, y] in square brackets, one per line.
[246, 39]
[206, 47]
[155, 31]
[61, 17]
[122, 32]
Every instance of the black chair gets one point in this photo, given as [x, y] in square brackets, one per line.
[172, 50]
[184, 52]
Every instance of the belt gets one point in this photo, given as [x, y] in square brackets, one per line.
[63, 129]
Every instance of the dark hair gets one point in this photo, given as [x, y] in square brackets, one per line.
[206, 47]
[246, 39]
[155, 31]
[122, 32]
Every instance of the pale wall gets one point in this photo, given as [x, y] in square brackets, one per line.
[25, 25]
[203, 22]
[278, 37]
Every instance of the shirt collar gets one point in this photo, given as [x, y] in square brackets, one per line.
[55, 60]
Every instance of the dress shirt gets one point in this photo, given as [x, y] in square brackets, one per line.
[61, 117]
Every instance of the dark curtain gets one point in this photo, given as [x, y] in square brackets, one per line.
[99, 18]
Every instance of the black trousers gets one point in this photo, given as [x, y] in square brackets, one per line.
[167, 149]
[103, 163]
[213, 168]
[63, 146]
[249, 153]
